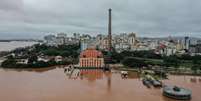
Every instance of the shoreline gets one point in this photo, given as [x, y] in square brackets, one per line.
[43, 69]
[112, 68]
[120, 69]
[32, 67]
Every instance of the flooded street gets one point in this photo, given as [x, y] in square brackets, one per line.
[52, 84]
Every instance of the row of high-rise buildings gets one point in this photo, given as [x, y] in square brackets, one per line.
[61, 39]
[128, 42]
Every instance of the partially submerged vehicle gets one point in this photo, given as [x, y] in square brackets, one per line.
[147, 83]
[156, 83]
[150, 80]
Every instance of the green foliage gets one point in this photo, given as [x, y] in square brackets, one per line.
[119, 57]
[70, 51]
[32, 59]
[194, 68]
[188, 57]
[196, 64]
[141, 54]
[9, 62]
[133, 62]
[171, 61]
[52, 62]
[62, 50]
[153, 62]
[185, 57]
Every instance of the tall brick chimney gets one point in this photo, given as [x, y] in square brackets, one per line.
[110, 31]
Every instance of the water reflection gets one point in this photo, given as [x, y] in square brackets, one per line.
[95, 74]
[90, 75]
[108, 75]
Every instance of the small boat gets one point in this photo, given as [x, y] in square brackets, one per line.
[147, 83]
[177, 93]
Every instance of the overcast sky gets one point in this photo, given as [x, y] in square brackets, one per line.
[151, 18]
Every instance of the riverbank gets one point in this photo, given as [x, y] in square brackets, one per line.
[39, 70]
[12, 64]
[41, 55]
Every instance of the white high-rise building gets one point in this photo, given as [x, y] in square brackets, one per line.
[132, 38]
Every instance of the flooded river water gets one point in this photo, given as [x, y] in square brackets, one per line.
[8, 46]
[52, 84]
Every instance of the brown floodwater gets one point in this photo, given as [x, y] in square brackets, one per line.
[52, 84]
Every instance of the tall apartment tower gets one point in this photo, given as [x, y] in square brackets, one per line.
[187, 42]
[110, 31]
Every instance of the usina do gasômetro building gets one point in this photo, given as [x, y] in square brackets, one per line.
[91, 58]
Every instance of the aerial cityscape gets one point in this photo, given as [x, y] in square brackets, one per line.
[48, 58]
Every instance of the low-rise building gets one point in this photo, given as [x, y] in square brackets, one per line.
[58, 58]
[195, 49]
[91, 58]
[43, 59]
[22, 61]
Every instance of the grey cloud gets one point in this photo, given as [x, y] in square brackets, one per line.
[11, 4]
[161, 17]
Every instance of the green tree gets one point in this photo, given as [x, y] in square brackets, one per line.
[32, 59]
[9, 63]
[200, 68]
[133, 62]
[171, 61]
[195, 68]
[196, 64]
[116, 57]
